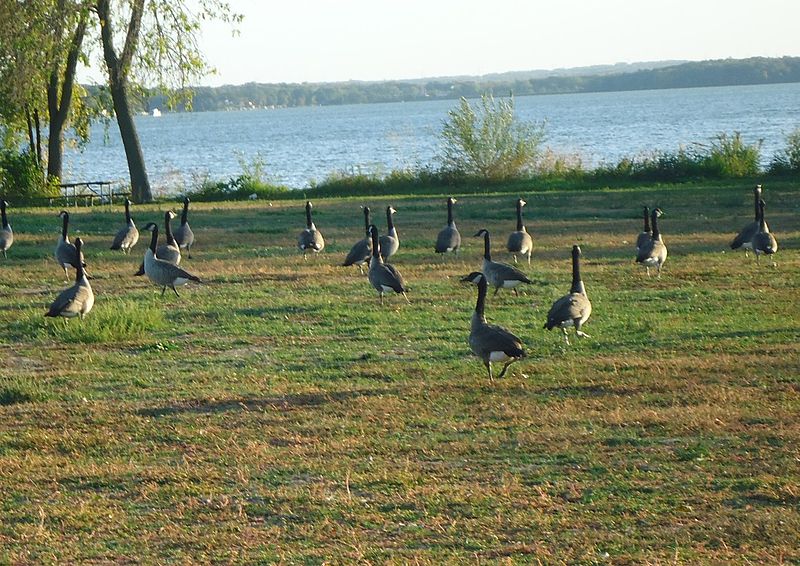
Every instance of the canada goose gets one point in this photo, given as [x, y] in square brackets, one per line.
[763, 242]
[65, 252]
[184, 235]
[6, 234]
[491, 343]
[78, 299]
[653, 253]
[574, 308]
[383, 276]
[449, 239]
[162, 272]
[168, 251]
[744, 239]
[646, 233]
[499, 274]
[310, 239]
[361, 250]
[520, 242]
[390, 242]
[128, 235]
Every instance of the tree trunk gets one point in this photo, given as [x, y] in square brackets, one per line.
[118, 68]
[58, 109]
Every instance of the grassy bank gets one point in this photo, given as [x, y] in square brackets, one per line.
[277, 413]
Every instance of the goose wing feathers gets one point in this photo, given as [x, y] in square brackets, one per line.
[519, 242]
[569, 307]
[492, 338]
[359, 253]
[71, 300]
[184, 235]
[126, 238]
[499, 272]
[385, 274]
[448, 239]
[745, 236]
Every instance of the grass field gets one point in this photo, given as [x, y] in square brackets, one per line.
[278, 414]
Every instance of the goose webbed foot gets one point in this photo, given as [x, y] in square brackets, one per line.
[581, 334]
[176, 291]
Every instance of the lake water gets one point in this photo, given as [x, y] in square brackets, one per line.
[300, 145]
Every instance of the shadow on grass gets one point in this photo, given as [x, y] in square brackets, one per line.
[284, 403]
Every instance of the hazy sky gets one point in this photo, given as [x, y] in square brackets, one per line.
[335, 40]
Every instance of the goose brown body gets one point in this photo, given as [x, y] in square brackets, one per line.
[519, 241]
[310, 239]
[499, 275]
[491, 343]
[449, 238]
[6, 233]
[77, 300]
[384, 277]
[574, 308]
[128, 235]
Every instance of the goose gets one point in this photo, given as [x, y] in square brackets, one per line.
[128, 235]
[383, 276]
[520, 242]
[168, 251]
[184, 235]
[162, 272]
[6, 234]
[744, 239]
[763, 242]
[574, 308]
[646, 233]
[499, 274]
[390, 242]
[77, 300]
[361, 250]
[449, 239]
[65, 252]
[310, 239]
[491, 343]
[654, 252]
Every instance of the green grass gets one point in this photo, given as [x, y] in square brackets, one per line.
[277, 413]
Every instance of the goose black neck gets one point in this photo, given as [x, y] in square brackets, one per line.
[577, 283]
[389, 221]
[185, 213]
[449, 212]
[308, 215]
[79, 270]
[154, 240]
[487, 247]
[480, 304]
[646, 219]
[168, 228]
[127, 211]
[376, 246]
[762, 223]
[519, 216]
[65, 225]
[757, 198]
[654, 219]
[366, 219]
[3, 213]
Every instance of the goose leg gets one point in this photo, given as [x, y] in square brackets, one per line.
[516, 293]
[515, 258]
[647, 268]
[176, 291]
[566, 338]
[406, 298]
[381, 296]
[488, 365]
[505, 367]
[163, 289]
[4, 254]
[529, 258]
[496, 289]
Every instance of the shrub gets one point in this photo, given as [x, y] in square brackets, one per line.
[236, 188]
[788, 159]
[730, 156]
[485, 140]
[21, 178]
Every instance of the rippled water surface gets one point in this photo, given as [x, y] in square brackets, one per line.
[300, 145]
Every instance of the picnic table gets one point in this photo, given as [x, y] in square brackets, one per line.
[88, 192]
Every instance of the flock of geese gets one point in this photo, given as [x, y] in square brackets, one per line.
[491, 343]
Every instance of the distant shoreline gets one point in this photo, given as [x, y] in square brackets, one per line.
[643, 76]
